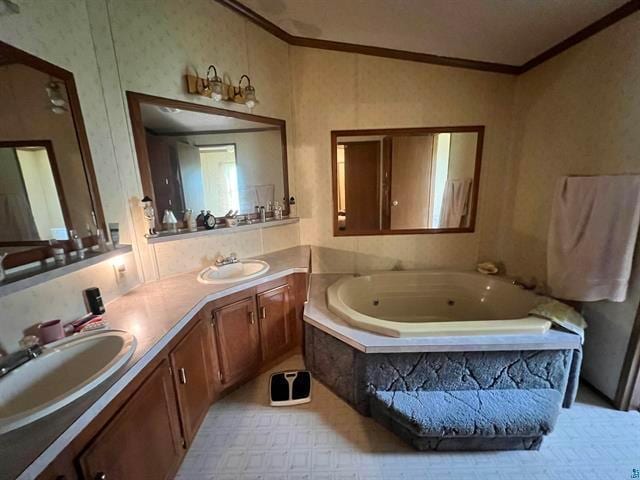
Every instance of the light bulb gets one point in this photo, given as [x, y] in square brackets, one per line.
[216, 89]
[249, 96]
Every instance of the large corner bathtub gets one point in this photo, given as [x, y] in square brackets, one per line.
[426, 303]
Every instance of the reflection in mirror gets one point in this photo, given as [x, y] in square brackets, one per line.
[47, 186]
[422, 180]
[203, 158]
[31, 207]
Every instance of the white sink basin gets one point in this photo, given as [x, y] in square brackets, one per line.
[243, 270]
[66, 370]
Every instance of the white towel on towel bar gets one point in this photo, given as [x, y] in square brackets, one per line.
[592, 237]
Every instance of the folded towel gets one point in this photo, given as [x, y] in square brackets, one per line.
[561, 314]
[592, 237]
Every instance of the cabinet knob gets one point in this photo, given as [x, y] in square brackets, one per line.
[100, 476]
[183, 376]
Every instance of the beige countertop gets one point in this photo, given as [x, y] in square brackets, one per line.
[317, 313]
[155, 313]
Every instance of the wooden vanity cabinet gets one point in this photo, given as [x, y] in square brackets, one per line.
[192, 364]
[276, 314]
[145, 432]
[143, 439]
[237, 340]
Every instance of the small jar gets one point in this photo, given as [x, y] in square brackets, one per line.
[59, 256]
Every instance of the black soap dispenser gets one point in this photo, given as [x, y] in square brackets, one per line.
[94, 300]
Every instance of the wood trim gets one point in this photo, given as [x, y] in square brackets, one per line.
[618, 14]
[134, 99]
[212, 132]
[628, 391]
[16, 55]
[606, 21]
[479, 129]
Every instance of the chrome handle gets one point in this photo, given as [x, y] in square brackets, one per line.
[183, 376]
[263, 313]
[252, 317]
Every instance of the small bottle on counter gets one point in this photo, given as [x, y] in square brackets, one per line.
[263, 214]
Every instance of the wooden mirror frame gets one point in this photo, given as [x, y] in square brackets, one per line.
[42, 249]
[134, 100]
[335, 134]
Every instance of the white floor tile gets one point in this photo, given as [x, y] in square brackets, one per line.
[243, 438]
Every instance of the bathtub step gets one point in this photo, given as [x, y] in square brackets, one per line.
[469, 419]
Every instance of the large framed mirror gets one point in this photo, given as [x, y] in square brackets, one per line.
[406, 181]
[48, 187]
[203, 158]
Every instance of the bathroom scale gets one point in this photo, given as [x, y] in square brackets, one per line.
[290, 388]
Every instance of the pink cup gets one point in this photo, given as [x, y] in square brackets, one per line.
[51, 331]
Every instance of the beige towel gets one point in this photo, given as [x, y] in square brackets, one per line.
[560, 314]
[455, 202]
[592, 236]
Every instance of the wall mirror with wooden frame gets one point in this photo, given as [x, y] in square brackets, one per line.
[48, 185]
[197, 157]
[405, 181]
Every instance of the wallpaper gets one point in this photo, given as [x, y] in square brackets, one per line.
[577, 114]
[335, 90]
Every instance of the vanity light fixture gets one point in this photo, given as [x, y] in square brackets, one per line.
[58, 102]
[213, 86]
[246, 95]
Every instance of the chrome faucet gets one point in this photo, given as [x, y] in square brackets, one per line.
[14, 360]
[222, 260]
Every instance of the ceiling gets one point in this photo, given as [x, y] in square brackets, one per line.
[162, 120]
[500, 31]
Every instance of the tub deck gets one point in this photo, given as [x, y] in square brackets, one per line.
[317, 314]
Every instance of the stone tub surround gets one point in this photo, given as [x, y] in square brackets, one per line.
[155, 313]
[364, 369]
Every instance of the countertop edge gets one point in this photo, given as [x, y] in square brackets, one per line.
[59, 444]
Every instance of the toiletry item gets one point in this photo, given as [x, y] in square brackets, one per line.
[190, 220]
[257, 210]
[102, 241]
[29, 341]
[94, 325]
[94, 300]
[50, 331]
[59, 255]
[77, 243]
[293, 209]
[170, 221]
[76, 325]
[277, 211]
[81, 253]
[209, 221]
[200, 219]
[114, 232]
[263, 214]
[149, 217]
[3, 274]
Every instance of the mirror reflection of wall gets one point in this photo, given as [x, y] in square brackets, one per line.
[30, 208]
[44, 190]
[414, 181]
[202, 161]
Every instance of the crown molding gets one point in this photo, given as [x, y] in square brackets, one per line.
[623, 11]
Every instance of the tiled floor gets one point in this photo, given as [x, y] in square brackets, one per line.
[242, 437]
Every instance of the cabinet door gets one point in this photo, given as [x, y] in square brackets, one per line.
[276, 312]
[236, 332]
[143, 439]
[192, 376]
